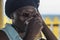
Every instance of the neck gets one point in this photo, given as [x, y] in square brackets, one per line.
[20, 27]
[16, 28]
[22, 34]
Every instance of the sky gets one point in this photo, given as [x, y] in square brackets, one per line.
[49, 7]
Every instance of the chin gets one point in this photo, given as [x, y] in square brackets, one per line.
[22, 28]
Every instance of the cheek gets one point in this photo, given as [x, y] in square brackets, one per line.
[22, 19]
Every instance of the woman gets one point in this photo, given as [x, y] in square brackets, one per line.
[26, 21]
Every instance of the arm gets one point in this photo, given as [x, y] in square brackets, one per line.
[34, 30]
[47, 32]
[3, 36]
[36, 27]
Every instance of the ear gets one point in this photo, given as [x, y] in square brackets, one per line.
[11, 16]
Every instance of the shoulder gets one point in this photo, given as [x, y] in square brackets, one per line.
[3, 36]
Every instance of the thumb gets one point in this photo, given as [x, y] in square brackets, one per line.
[28, 20]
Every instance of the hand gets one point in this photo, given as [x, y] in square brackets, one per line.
[34, 28]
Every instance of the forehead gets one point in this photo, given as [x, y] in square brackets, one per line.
[27, 8]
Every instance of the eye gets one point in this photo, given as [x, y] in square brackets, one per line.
[25, 14]
[35, 15]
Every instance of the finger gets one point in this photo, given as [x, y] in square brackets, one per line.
[28, 20]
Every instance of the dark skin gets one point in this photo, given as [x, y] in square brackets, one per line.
[47, 32]
[35, 24]
[28, 13]
[19, 17]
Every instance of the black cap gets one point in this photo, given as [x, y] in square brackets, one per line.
[12, 5]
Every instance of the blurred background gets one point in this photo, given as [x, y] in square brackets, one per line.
[50, 12]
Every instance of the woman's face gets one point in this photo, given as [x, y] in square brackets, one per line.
[23, 14]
